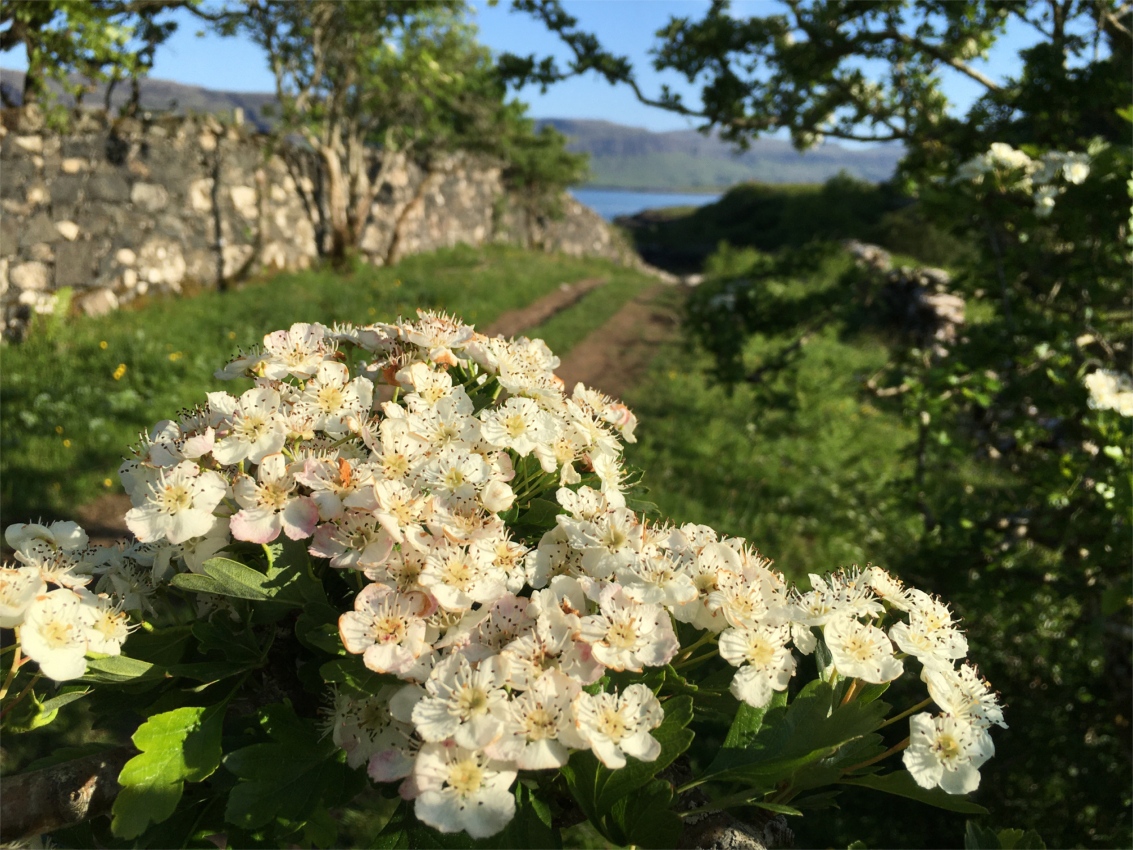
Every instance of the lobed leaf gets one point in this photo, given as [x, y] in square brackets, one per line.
[176, 746]
[644, 818]
[294, 776]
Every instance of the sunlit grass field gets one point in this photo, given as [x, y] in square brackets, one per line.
[76, 395]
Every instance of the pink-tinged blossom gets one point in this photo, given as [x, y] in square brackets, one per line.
[399, 508]
[272, 504]
[355, 541]
[179, 505]
[364, 727]
[333, 483]
[385, 629]
[458, 580]
[439, 335]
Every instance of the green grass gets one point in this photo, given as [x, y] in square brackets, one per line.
[66, 421]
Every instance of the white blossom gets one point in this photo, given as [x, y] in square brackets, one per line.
[615, 726]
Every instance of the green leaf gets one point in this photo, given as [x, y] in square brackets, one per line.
[809, 729]
[115, 669]
[176, 746]
[642, 506]
[869, 692]
[161, 646]
[902, 784]
[596, 788]
[210, 671]
[319, 635]
[977, 837]
[644, 818]
[231, 578]
[395, 833]
[352, 675]
[35, 712]
[532, 827]
[294, 776]
[749, 720]
[778, 808]
[228, 638]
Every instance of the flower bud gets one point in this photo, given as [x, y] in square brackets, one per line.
[497, 496]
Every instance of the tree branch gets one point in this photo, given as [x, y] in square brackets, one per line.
[61, 795]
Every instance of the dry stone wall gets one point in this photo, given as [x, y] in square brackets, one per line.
[114, 210]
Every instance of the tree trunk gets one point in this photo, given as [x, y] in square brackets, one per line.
[33, 78]
[338, 203]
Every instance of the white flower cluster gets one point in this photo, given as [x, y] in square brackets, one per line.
[1044, 178]
[44, 595]
[412, 454]
[1110, 390]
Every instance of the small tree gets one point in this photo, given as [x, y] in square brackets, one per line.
[406, 76]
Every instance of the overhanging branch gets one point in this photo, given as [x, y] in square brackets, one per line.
[61, 795]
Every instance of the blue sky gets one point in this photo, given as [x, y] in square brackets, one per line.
[624, 26]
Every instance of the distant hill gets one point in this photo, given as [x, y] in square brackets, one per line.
[634, 158]
[166, 96]
[620, 156]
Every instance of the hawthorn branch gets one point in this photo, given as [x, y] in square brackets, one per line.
[61, 795]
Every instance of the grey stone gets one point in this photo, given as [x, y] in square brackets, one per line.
[110, 187]
[98, 220]
[14, 176]
[65, 190]
[75, 263]
[40, 229]
[84, 147]
[9, 235]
